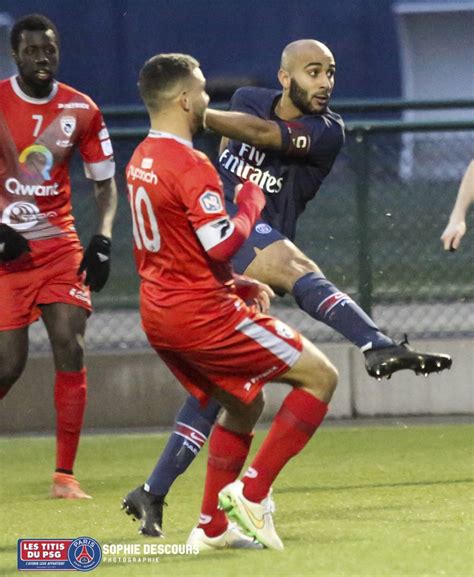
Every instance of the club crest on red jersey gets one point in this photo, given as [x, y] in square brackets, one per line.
[211, 202]
[68, 125]
[284, 330]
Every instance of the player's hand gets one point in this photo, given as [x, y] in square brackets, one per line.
[96, 262]
[12, 243]
[453, 234]
[254, 293]
[265, 293]
[249, 192]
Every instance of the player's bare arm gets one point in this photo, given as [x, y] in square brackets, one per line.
[245, 128]
[96, 260]
[106, 198]
[456, 227]
[307, 81]
[223, 144]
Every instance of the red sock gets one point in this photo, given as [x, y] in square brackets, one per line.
[295, 423]
[227, 454]
[70, 393]
[3, 393]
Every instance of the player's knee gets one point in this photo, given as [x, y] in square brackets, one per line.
[69, 348]
[295, 267]
[322, 380]
[256, 407]
[239, 416]
[250, 412]
[302, 265]
[329, 378]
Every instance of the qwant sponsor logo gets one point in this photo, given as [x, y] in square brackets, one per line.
[14, 186]
[36, 160]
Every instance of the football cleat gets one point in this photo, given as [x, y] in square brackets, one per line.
[232, 538]
[146, 508]
[384, 362]
[254, 518]
[67, 487]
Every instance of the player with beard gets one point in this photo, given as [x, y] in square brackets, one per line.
[43, 269]
[286, 141]
[194, 317]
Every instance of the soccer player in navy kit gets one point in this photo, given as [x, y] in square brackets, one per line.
[285, 142]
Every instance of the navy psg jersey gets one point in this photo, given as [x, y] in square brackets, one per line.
[289, 177]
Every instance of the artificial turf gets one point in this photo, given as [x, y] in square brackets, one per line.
[359, 501]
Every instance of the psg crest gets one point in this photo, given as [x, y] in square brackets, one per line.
[84, 554]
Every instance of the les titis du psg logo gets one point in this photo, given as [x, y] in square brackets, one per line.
[81, 554]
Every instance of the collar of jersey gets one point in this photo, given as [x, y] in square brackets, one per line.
[159, 134]
[19, 92]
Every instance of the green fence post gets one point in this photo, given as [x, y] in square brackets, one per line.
[361, 157]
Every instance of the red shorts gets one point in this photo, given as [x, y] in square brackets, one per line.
[240, 353]
[55, 281]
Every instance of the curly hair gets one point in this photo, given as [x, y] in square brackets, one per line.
[32, 22]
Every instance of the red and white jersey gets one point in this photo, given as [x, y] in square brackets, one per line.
[37, 138]
[178, 213]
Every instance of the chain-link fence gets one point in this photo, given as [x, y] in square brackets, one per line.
[373, 228]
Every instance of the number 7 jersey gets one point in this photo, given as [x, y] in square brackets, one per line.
[37, 138]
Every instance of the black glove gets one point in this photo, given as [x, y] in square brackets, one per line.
[12, 243]
[96, 262]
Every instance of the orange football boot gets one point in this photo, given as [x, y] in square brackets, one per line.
[67, 487]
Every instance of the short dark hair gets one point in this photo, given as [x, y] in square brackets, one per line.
[161, 73]
[31, 22]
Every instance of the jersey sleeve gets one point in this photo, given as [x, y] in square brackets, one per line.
[309, 137]
[96, 150]
[312, 137]
[203, 197]
[242, 101]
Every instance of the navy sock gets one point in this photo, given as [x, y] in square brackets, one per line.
[192, 427]
[326, 303]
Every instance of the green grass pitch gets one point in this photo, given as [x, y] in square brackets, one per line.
[359, 501]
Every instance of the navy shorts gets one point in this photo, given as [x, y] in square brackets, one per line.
[262, 235]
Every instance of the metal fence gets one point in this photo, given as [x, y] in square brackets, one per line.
[373, 228]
